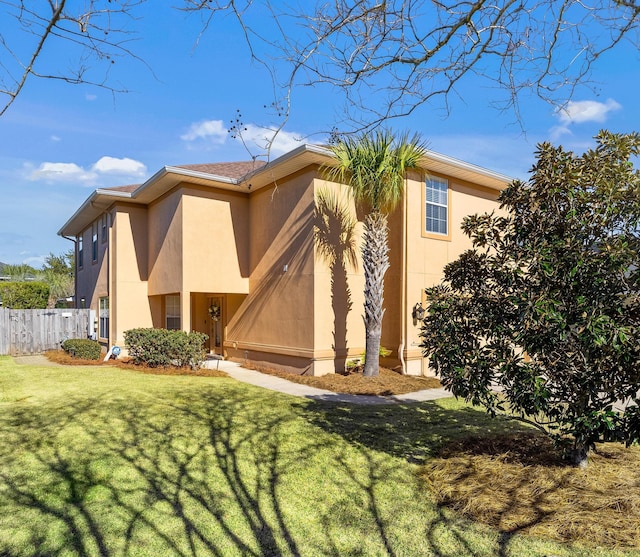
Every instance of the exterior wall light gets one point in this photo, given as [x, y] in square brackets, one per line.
[418, 312]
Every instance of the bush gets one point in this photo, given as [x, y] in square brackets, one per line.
[82, 348]
[24, 295]
[161, 348]
[541, 319]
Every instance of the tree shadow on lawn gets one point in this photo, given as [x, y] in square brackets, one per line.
[414, 431]
[225, 470]
[501, 473]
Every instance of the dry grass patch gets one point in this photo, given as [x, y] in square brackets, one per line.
[388, 383]
[61, 357]
[519, 483]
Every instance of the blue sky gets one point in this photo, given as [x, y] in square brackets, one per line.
[59, 142]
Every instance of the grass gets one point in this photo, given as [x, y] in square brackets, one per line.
[388, 383]
[97, 460]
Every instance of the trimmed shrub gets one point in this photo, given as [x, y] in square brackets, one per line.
[82, 348]
[24, 295]
[161, 347]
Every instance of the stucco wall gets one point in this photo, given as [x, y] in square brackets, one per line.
[165, 241]
[277, 315]
[339, 286]
[128, 291]
[215, 238]
[427, 255]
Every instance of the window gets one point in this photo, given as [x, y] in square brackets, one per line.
[94, 242]
[80, 252]
[104, 317]
[172, 312]
[103, 227]
[437, 206]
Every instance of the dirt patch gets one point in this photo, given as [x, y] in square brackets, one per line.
[519, 483]
[388, 383]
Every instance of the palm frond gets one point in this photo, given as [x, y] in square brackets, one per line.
[374, 166]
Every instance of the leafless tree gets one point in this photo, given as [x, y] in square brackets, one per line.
[39, 38]
[385, 57]
[389, 57]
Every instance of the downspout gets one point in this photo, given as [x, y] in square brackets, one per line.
[75, 269]
[403, 286]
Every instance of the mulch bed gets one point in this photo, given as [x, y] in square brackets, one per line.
[388, 383]
[520, 483]
[61, 357]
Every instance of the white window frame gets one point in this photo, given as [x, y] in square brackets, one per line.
[80, 252]
[172, 312]
[104, 226]
[436, 198]
[94, 242]
[103, 313]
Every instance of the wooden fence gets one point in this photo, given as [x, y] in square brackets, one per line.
[33, 331]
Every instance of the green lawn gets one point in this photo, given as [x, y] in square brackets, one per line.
[101, 461]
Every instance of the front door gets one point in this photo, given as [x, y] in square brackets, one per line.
[216, 324]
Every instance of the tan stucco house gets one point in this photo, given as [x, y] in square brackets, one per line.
[228, 249]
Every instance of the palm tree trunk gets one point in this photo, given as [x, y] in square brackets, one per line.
[375, 260]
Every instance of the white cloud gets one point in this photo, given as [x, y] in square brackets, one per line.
[126, 166]
[55, 138]
[213, 130]
[90, 97]
[96, 175]
[61, 171]
[255, 138]
[282, 143]
[579, 112]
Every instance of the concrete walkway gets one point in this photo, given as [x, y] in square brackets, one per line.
[273, 383]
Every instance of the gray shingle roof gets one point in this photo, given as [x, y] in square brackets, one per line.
[234, 170]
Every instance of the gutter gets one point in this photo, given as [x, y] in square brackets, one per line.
[403, 286]
[75, 269]
[462, 165]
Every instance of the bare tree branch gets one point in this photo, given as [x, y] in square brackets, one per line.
[96, 31]
[388, 57]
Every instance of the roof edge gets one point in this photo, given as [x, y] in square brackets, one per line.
[468, 166]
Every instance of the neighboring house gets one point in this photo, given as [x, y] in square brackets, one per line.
[228, 249]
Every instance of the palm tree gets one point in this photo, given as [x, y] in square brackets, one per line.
[374, 166]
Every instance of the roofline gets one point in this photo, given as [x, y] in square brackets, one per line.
[80, 209]
[463, 165]
[108, 196]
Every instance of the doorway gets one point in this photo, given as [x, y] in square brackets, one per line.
[216, 324]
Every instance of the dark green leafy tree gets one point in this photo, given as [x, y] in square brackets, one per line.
[541, 318]
[24, 295]
[58, 272]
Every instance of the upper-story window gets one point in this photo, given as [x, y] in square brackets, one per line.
[94, 242]
[103, 227]
[437, 206]
[80, 252]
